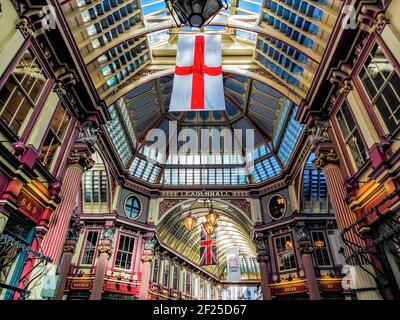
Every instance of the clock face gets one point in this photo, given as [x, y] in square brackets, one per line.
[277, 206]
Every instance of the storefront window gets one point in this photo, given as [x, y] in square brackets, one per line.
[21, 92]
[55, 135]
[382, 84]
[351, 135]
[285, 253]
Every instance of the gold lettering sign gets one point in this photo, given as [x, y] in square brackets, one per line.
[210, 194]
[29, 206]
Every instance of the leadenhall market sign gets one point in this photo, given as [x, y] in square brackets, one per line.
[208, 194]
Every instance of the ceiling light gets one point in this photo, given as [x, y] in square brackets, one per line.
[194, 12]
[211, 217]
[209, 228]
[190, 222]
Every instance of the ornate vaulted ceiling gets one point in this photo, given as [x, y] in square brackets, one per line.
[271, 51]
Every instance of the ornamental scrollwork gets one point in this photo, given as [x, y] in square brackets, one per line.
[82, 158]
[325, 158]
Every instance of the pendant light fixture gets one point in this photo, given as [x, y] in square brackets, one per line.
[190, 222]
[209, 228]
[194, 13]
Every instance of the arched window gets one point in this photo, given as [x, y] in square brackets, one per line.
[314, 192]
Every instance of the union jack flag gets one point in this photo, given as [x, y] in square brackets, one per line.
[208, 248]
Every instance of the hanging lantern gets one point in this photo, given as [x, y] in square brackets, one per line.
[194, 12]
[212, 218]
[209, 228]
[190, 222]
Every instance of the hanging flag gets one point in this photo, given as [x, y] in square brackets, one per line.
[198, 83]
[233, 265]
[208, 248]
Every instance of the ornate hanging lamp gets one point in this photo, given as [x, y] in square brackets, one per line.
[194, 12]
[209, 228]
[212, 217]
[190, 221]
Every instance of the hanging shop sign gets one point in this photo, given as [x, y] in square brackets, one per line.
[30, 207]
[233, 265]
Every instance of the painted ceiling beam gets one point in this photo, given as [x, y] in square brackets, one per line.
[254, 72]
[265, 30]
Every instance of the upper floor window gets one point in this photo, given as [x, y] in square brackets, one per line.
[285, 253]
[351, 135]
[156, 267]
[320, 248]
[95, 186]
[188, 283]
[123, 259]
[165, 279]
[21, 92]
[175, 279]
[89, 249]
[382, 84]
[54, 136]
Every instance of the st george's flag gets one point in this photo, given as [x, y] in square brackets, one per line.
[198, 83]
[208, 248]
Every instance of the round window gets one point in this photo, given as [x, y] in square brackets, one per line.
[132, 207]
[277, 206]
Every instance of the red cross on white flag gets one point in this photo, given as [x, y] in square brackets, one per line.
[198, 84]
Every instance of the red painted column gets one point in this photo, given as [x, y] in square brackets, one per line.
[146, 259]
[265, 287]
[327, 160]
[78, 161]
[69, 250]
[312, 283]
[104, 249]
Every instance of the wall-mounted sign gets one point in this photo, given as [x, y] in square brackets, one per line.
[288, 289]
[29, 206]
[80, 285]
[331, 285]
[199, 194]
